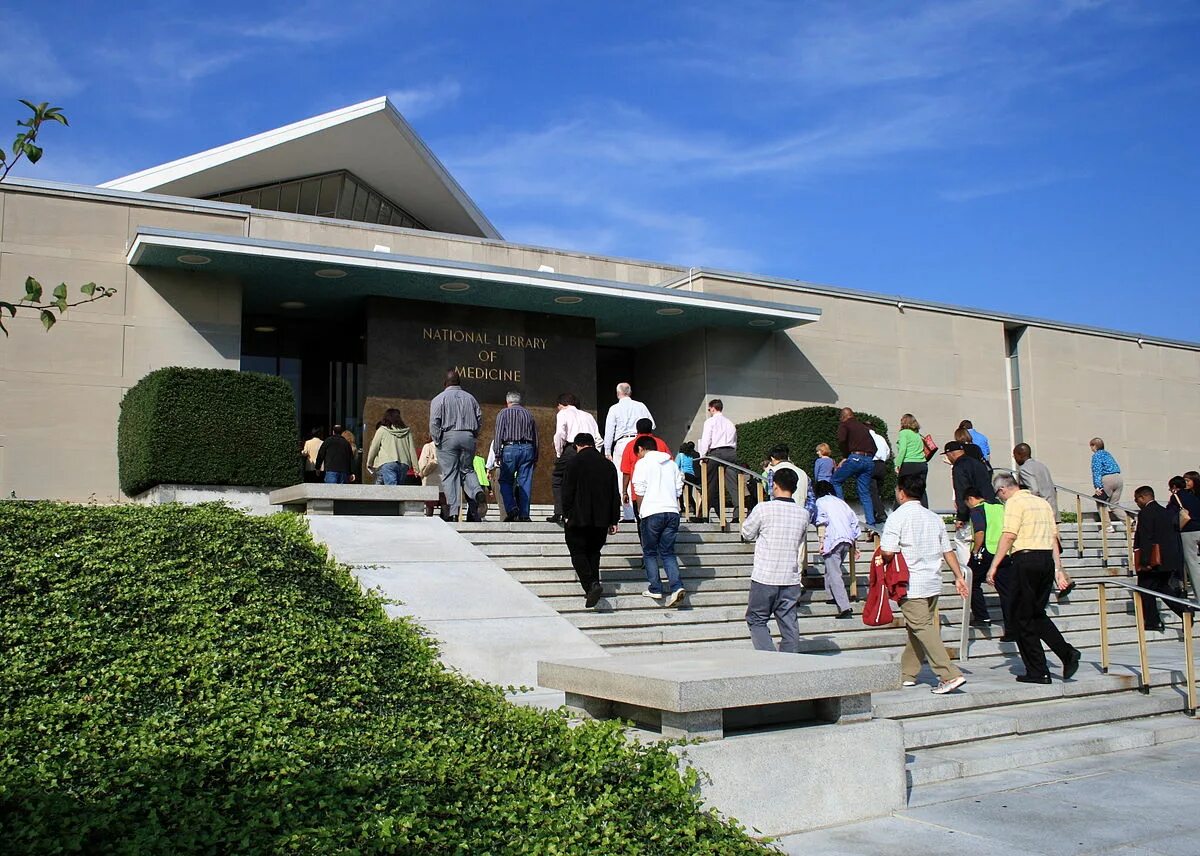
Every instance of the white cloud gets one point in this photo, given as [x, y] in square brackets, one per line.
[1013, 184]
[29, 63]
[421, 100]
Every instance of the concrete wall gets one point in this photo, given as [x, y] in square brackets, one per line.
[61, 390]
[1144, 400]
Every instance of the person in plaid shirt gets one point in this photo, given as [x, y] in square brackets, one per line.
[777, 528]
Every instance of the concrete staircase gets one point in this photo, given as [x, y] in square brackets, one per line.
[995, 725]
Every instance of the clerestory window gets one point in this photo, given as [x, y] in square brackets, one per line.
[341, 195]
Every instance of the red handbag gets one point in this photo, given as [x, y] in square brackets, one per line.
[888, 581]
[931, 446]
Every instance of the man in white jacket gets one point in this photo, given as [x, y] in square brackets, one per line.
[657, 484]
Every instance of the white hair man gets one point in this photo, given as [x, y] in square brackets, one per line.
[516, 446]
[620, 427]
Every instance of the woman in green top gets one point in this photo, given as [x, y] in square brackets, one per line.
[910, 451]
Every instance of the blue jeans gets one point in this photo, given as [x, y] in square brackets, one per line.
[392, 472]
[860, 467]
[658, 544]
[516, 461]
[336, 478]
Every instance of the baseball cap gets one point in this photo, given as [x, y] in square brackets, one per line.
[952, 446]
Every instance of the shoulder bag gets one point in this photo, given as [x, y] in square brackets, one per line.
[931, 447]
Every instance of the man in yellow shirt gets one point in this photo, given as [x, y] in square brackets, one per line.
[1029, 532]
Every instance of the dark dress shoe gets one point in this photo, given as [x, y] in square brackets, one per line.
[981, 622]
[1071, 664]
[846, 613]
[553, 518]
[1033, 679]
[1007, 638]
[593, 595]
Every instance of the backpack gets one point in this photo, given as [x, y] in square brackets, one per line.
[888, 581]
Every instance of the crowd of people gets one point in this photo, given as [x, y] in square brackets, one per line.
[1007, 519]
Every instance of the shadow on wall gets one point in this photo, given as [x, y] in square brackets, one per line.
[210, 305]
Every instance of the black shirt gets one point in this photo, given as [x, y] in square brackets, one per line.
[336, 454]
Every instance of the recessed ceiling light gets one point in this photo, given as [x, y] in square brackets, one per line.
[568, 298]
[331, 273]
[454, 286]
[193, 259]
[762, 322]
[669, 310]
[293, 304]
[607, 334]
[265, 328]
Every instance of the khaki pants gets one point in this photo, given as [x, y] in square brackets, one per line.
[924, 640]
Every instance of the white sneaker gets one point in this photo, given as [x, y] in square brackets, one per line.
[651, 595]
[908, 683]
[948, 686]
[675, 597]
[1112, 528]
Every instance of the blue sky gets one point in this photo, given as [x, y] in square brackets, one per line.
[1033, 156]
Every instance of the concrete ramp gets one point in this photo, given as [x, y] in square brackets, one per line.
[488, 625]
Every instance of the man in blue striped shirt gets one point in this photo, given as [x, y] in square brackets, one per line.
[516, 446]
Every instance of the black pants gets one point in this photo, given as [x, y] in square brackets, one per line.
[556, 476]
[1034, 578]
[725, 453]
[877, 476]
[1159, 581]
[979, 569]
[922, 469]
[1006, 587]
[584, 544]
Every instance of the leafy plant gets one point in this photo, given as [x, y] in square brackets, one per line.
[801, 430]
[25, 145]
[207, 426]
[192, 680]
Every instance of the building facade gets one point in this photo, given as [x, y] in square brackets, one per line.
[338, 253]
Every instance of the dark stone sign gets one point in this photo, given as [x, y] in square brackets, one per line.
[411, 344]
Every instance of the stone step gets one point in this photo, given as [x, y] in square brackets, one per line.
[889, 641]
[640, 615]
[930, 731]
[1003, 753]
[558, 549]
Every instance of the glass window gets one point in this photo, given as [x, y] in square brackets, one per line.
[372, 213]
[327, 202]
[270, 198]
[385, 214]
[360, 204]
[289, 197]
[251, 198]
[346, 201]
[309, 191]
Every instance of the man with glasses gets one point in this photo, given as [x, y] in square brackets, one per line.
[1030, 534]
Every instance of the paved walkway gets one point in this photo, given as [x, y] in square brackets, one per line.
[1136, 803]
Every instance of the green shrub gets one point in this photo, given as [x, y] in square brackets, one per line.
[188, 679]
[207, 426]
[802, 430]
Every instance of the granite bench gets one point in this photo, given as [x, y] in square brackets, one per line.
[360, 499]
[701, 694]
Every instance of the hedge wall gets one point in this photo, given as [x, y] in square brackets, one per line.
[182, 680]
[207, 426]
[802, 430]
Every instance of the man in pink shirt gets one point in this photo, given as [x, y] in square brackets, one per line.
[719, 440]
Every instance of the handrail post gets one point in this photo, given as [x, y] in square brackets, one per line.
[1104, 536]
[1129, 526]
[762, 491]
[721, 500]
[964, 637]
[1103, 601]
[1144, 678]
[1190, 660]
[741, 483]
[853, 574]
[1079, 523]
[704, 485]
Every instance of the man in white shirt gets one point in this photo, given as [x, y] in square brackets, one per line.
[841, 531]
[658, 484]
[620, 427]
[719, 440]
[777, 528]
[569, 423]
[883, 453]
[920, 536]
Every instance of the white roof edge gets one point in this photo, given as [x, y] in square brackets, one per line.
[155, 176]
[182, 167]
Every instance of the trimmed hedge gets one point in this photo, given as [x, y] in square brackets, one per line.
[207, 426]
[193, 680]
[802, 430]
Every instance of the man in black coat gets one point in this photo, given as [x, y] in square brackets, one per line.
[591, 506]
[967, 473]
[1156, 527]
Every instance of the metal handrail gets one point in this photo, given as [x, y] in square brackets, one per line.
[1144, 677]
[1088, 496]
[734, 466]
